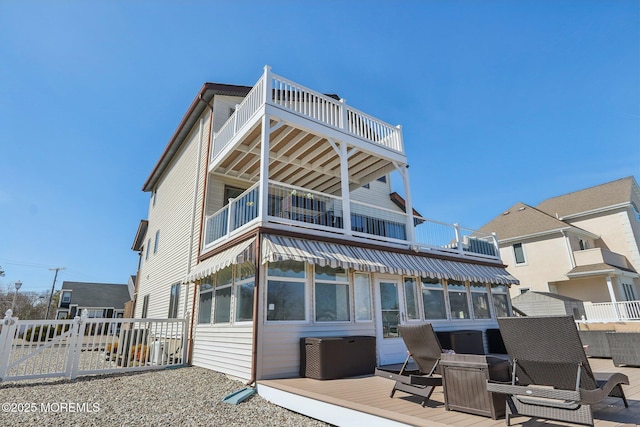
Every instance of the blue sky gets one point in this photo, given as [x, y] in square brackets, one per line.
[500, 101]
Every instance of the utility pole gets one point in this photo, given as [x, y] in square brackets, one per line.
[46, 317]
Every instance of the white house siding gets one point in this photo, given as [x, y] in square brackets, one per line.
[172, 215]
[215, 190]
[224, 349]
[377, 194]
[222, 108]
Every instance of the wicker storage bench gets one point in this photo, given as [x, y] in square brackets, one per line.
[463, 341]
[465, 383]
[625, 348]
[328, 358]
[596, 342]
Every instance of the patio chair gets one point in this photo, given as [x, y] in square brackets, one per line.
[424, 348]
[551, 377]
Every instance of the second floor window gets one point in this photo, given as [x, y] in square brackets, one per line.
[518, 253]
[66, 297]
[145, 306]
[155, 245]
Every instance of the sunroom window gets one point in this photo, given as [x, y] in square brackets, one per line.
[433, 299]
[286, 291]
[206, 297]
[458, 300]
[480, 300]
[222, 298]
[245, 285]
[331, 294]
[411, 298]
[500, 297]
[362, 297]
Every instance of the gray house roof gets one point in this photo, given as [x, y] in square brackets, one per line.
[601, 196]
[524, 220]
[97, 294]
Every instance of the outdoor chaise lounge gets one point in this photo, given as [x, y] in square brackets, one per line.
[551, 377]
[424, 348]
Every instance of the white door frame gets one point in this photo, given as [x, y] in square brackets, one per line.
[390, 350]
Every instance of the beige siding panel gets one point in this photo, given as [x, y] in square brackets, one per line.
[172, 215]
[215, 191]
[377, 194]
[224, 349]
[222, 108]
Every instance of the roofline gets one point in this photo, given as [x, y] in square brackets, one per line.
[595, 211]
[548, 232]
[138, 241]
[206, 93]
[614, 270]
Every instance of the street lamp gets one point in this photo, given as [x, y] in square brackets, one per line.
[18, 285]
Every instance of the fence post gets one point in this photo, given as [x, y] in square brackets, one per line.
[6, 341]
[186, 336]
[75, 344]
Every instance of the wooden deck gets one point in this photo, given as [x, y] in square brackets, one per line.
[365, 400]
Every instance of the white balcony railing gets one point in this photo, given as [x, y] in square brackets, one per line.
[612, 312]
[295, 98]
[301, 207]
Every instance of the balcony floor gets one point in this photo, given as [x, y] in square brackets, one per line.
[368, 397]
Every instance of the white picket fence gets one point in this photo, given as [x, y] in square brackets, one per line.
[88, 346]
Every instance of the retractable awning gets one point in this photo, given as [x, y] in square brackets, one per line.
[278, 248]
[242, 252]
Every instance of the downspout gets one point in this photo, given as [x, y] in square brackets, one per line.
[256, 299]
[572, 260]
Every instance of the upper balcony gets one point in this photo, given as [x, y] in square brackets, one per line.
[600, 256]
[315, 212]
[299, 155]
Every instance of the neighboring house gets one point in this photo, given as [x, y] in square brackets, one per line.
[99, 299]
[272, 218]
[584, 245]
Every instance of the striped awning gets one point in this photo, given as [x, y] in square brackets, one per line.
[278, 248]
[242, 252]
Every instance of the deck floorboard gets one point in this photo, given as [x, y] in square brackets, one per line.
[370, 395]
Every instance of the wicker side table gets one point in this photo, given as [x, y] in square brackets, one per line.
[465, 383]
[625, 348]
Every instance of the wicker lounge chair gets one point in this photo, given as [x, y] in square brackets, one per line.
[551, 376]
[424, 348]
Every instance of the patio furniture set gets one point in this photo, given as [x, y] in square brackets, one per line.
[603, 340]
[547, 375]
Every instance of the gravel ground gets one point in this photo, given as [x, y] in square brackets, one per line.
[188, 396]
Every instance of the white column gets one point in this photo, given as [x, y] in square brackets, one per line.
[344, 181]
[612, 295]
[404, 172]
[264, 168]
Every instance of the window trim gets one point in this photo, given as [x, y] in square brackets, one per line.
[515, 256]
[445, 298]
[338, 281]
[467, 299]
[174, 301]
[488, 298]
[370, 295]
[62, 297]
[156, 243]
[307, 297]
[145, 306]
